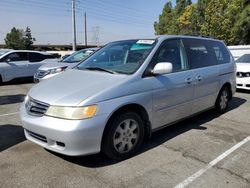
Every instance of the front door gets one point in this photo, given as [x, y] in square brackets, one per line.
[16, 65]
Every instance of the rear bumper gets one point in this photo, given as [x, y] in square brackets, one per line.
[68, 137]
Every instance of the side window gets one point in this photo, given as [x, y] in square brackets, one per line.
[16, 56]
[172, 51]
[13, 57]
[199, 53]
[221, 52]
[36, 57]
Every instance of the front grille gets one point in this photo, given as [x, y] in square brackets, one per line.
[239, 84]
[36, 108]
[37, 136]
[41, 74]
[247, 85]
[243, 74]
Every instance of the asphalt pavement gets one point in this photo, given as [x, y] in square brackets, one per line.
[208, 150]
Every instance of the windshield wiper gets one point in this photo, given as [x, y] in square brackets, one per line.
[100, 69]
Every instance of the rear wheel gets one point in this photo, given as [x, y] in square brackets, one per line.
[124, 136]
[222, 100]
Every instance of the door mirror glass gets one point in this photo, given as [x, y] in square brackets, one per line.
[162, 68]
[8, 60]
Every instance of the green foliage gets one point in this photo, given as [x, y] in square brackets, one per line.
[18, 39]
[28, 40]
[228, 20]
[242, 27]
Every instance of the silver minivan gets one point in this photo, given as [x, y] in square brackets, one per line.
[126, 91]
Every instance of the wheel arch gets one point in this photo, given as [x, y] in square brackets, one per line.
[139, 109]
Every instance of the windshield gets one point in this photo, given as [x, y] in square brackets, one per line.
[244, 59]
[78, 56]
[123, 57]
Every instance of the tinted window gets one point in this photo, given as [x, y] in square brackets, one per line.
[16, 56]
[172, 51]
[36, 57]
[244, 59]
[199, 53]
[221, 52]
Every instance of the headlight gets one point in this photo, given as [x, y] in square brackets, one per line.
[57, 70]
[74, 113]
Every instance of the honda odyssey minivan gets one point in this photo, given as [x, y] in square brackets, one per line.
[127, 90]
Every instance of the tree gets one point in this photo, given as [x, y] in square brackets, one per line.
[186, 21]
[220, 16]
[14, 39]
[168, 19]
[18, 39]
[166, 23]
[28, 40]
[227, 20]
[242, 27]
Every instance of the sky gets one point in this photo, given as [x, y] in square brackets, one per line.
[107, 20]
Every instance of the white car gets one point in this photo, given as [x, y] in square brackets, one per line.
[20, 63]
[243, 72]
[56, 67]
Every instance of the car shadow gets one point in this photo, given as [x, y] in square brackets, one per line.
[19, 81]
[157, 138]
[11, 99]
[10, 135]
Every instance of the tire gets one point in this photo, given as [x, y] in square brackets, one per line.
[1, 80]
[222, 100]
[124, 136]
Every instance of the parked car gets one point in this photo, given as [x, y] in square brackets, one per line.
[20, 63]
[51, 69]
[243, 72]
[126, 91]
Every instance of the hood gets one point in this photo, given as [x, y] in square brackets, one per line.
[55, 65]
[243, 67]
[74, 86]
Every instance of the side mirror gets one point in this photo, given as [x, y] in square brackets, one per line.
[162, 68]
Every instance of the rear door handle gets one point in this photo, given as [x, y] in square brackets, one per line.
[199, 78]
[188, 80]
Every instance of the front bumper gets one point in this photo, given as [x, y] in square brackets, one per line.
[68, 137]
[243, 83]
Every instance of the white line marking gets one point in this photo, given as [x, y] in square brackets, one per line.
[9, 114]
[211, 164]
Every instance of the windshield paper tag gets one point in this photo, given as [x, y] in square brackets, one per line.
[145, 41]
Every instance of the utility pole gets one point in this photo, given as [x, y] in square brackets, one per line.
[73, 26]
[85, 28]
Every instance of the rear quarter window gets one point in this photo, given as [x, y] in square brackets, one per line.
[221, 53]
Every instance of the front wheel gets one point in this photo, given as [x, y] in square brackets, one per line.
[222, 100]
[124, 136]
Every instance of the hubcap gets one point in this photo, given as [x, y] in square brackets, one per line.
[224, 99]
[126, 136]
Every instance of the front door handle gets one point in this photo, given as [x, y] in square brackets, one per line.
[199, 78]
[188, 80]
